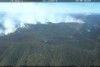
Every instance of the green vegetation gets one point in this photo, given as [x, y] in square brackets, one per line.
[49, 45]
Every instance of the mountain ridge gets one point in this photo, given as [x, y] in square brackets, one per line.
[53, 44]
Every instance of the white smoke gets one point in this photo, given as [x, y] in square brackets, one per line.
[18, 15]
[10, 23]
[9, 26]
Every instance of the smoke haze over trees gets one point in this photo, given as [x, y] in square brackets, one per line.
[54, 37]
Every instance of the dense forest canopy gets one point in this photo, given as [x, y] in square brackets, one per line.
[52, 44]
[54, 37]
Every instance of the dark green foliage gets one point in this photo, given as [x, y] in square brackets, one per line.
[49, 45]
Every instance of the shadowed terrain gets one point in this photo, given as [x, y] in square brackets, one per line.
[52, 44]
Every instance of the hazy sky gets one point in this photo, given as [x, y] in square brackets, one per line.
[43, 12]
[49, 7]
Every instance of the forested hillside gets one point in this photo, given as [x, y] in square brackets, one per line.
[52, 44]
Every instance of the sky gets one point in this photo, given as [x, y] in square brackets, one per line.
[55, 7]
[43, 12]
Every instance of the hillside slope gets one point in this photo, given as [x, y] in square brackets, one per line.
[49, 45]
